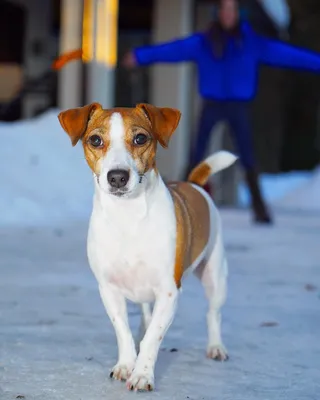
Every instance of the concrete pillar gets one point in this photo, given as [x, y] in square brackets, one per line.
[171, 84]
[101, 66]
[70, 76]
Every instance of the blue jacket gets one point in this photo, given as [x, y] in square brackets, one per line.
[235, 75]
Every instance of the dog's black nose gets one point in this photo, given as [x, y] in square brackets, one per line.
[118, 178]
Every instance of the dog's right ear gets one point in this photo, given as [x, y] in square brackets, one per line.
[75, 120]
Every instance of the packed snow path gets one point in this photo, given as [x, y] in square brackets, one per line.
[58, 344]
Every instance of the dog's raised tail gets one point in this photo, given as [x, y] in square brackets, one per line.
[211, 165]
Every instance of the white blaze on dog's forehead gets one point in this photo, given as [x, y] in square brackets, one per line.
[117, 130]
[117, 155]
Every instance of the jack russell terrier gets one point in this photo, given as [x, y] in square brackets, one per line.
[144, 235]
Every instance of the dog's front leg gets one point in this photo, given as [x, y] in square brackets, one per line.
[142, 377]
[144, 323]
[116, 308]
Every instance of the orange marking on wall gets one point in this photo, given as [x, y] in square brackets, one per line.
[65, 58]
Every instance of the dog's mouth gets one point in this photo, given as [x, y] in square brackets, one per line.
[119, 192]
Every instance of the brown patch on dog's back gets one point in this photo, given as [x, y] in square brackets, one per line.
[193, 226]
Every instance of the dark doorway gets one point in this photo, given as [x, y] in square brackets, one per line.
[12, 30]
[135, 26]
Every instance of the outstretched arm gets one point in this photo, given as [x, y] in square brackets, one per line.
[280, 54]
[176, 51]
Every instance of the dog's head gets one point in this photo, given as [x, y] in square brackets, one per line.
[120, 144]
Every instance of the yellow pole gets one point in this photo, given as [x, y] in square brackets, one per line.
[100, 45]
[105, 34]
[88, 31]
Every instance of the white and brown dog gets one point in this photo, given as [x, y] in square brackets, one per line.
[144, 235]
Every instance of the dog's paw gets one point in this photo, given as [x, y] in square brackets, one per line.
[121, 372]
[217, 352]
[143, 382]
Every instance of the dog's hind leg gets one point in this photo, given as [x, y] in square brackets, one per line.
[213, 276]
[146, 315]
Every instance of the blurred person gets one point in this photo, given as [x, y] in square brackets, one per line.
[228, 55]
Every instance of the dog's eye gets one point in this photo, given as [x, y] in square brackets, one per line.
[95, 141]
[140, 139]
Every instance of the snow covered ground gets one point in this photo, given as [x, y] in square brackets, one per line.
[56, 343]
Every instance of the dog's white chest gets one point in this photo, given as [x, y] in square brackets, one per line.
[135, 255]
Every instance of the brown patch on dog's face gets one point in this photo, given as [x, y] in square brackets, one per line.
[138, 139]
[98, 129]
[124, 138]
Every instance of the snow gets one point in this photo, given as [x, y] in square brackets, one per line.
[275, 186]
[43, 178]
[291, 191]
[56, 342]
[305, 197]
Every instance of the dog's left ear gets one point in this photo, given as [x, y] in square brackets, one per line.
[164, 121]
[75, 120]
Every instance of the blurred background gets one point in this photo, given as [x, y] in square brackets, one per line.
[55, 341]
[35, 32]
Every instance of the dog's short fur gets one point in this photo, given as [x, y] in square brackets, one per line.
[144, 235]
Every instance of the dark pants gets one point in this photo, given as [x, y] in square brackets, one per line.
[237, 114]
